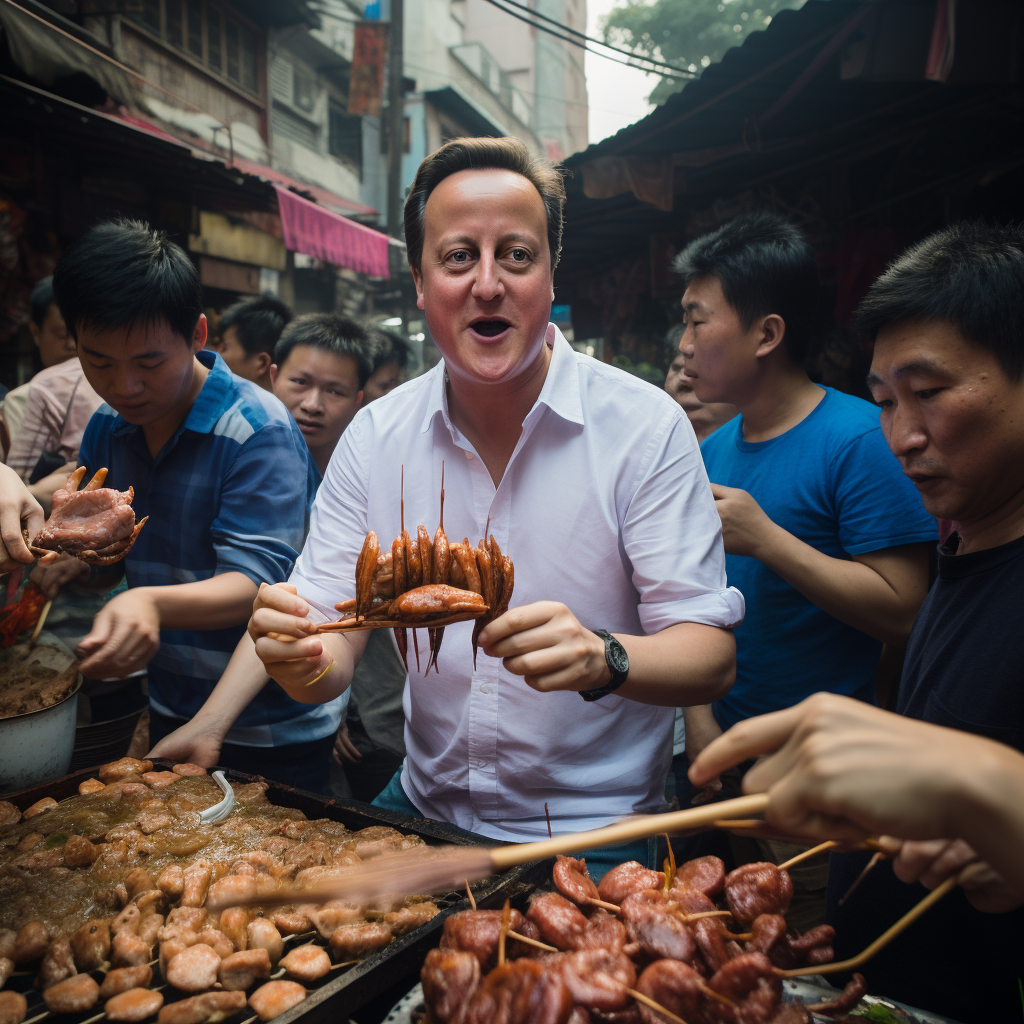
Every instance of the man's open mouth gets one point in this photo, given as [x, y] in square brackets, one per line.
[490, 328]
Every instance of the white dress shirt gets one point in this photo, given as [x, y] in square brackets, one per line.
[604, 506]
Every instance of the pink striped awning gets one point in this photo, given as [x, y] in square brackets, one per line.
[325, 235]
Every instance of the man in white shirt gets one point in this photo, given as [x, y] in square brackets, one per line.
[592, 483]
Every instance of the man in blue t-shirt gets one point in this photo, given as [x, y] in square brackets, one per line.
[823, 534]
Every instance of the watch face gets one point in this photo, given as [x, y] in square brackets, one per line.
[617, 658]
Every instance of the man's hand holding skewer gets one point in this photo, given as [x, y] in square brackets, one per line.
[310, 667]
[837, 768]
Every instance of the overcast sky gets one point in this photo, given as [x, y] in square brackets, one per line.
[617, 94]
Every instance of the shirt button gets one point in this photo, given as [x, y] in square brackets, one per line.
[486, 688]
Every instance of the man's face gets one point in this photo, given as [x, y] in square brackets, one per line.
[384, 379]
[720, 353]
[52, 338]
[320, 390]
[251, 367]
[704, 418]
[144, 372]
[485, 280]
[951, 416]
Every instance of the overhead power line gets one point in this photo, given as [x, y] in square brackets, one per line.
[676, 73]
[591, 39]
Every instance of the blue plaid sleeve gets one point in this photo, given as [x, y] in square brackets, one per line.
[263, 514]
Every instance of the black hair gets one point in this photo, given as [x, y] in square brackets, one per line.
[765, 265]
[506, 154]
[122, 273]
[41, 300]
[332, 333]
[387, 347]
[258, 321]
[970, 274]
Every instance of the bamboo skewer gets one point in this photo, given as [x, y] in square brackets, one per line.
[39, 625]
[444, 869]
[807, 854]
[881, 942]
[656, 1007]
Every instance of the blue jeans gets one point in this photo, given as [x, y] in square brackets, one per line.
[599, 861]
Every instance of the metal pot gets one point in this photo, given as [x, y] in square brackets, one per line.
[36, 747]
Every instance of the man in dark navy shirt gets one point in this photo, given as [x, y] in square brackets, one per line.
[948, 373]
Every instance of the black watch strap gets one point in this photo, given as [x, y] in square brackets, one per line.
[618, 665]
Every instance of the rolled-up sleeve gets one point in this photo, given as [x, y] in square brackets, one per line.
[325, 572]
[263, 512]
[673, 536]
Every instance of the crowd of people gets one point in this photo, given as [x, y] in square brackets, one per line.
[715, 584]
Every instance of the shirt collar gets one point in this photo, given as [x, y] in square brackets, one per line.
[213, 398]
[560, 392]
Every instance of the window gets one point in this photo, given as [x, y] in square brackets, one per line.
[203, 30]
[346, 136]
[302, 91]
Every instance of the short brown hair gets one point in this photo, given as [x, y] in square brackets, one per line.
[507, 154]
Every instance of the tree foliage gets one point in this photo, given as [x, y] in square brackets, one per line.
[690, 34]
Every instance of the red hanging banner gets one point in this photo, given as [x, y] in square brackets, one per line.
[369, 53]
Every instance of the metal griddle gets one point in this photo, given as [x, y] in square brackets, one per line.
[335, 997]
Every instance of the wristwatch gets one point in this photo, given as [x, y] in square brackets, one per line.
[618, 665]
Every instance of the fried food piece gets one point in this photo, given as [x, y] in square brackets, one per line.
[128, 920]
[851, 995]
[58, 963]
[476, 932]
[79, 852]
[121, 979]
[676, 986]
[520, 992]
[750, 982]
[705, 874]
[572, 881]
[134, 1005]
[596, 978]
[169, 949]
[755, 889]
[243, 969]
[6, 967]
[39, 807]
[660, 933]
[171, 881]
[408, 918]
[449, 978]
[73, 995]
[196, 883]
[30, 943]
[193, 918]
[90, 786]
[263, 934]
[354, 940]
[306, 963]
[160, 780]
[716, 950]
[604, 931]
[233, 923]
[201, 1008]
[8, 939]
[13, 1007]
[273, 998]
[188, 769]
[193, 969]
[125, 766]
[628, 878]
[559, 922]
[129, 949]
[9, 813]
[217, 941]
[294, 921]
[229, 888]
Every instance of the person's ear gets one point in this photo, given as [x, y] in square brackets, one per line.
[34, 328]
[773, 331]
[273, 374]
[263, 363]
[359, 399]
[200, 334]
[418, 279]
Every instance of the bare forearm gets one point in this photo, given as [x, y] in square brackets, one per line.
[686, 664]
[850, 591]
[216, 603]
[987, 808]
[242, 680]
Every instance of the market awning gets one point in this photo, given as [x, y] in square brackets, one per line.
[314, 231]
[51, 50]
[323, 196]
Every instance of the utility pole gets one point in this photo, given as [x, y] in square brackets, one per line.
[396, 119]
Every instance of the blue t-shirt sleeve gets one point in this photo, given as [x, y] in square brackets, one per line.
[261, 522]
[89, 450]
[876, 505]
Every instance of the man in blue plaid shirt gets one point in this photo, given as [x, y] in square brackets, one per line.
[222, 472]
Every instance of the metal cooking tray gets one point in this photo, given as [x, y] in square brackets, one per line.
[340, 993]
